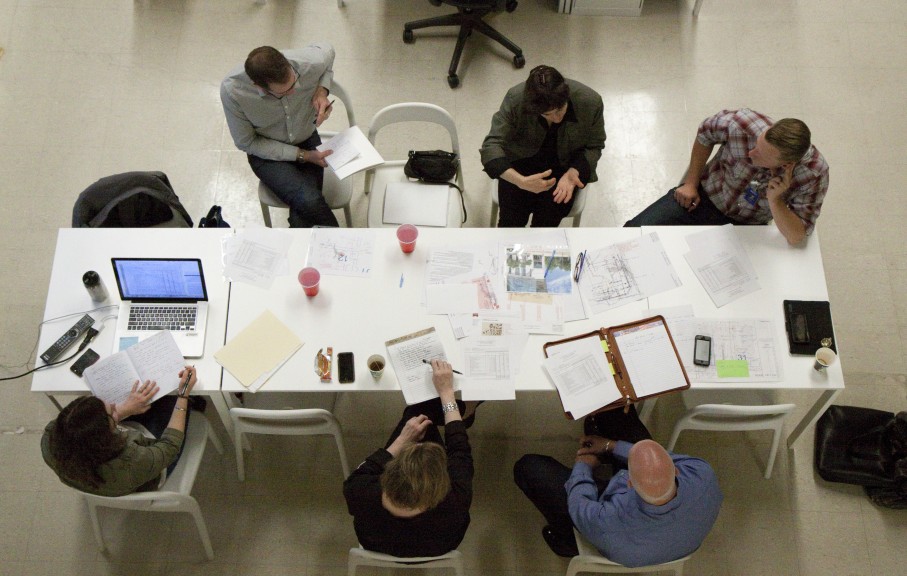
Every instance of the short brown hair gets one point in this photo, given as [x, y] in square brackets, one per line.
[81, 440]
[417, 478]
[266, 65]
[791, 137]
[545, 90]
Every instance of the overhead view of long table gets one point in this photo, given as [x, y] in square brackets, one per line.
[359, 314]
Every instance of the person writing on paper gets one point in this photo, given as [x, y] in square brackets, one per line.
[764, 171]
[90, 452]
[544, 143]
[657, 506]
[412, 497]
[274, 104]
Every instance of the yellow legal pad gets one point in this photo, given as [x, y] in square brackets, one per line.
[258, 350]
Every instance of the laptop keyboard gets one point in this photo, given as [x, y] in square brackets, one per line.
[174, 318]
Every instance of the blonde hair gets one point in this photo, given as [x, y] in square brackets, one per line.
[417, 478]
[791, 137]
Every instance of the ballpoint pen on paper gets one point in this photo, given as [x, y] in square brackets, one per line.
[580, 262]
[424, 361]
[550, 262]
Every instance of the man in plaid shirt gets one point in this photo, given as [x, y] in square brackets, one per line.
[763, 171]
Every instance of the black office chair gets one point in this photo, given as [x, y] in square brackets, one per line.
[468, 18]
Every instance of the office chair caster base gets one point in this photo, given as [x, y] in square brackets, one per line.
[519, 61]
[453, 81]
[408, 36]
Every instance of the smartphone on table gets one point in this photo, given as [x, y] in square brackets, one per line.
[346, 367]
[702, 351]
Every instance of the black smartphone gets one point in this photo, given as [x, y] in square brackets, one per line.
[84, 361]
[347, 370]
[702, 351]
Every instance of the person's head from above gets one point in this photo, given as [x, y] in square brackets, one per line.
[546, 93]
[784, 143]
[271, 71]
[84, 437]
[652, 472]
[416, 480]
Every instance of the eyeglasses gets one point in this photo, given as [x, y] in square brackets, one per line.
[288, 90]
[578, 269]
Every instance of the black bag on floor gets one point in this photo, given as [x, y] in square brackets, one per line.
[214, 219]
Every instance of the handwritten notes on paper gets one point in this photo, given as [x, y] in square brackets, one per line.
[406, 354]
[342, 251]
[156, 358]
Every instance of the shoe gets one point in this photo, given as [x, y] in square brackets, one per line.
[560, 546]
[468, 422]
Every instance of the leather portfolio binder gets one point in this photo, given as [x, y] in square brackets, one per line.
[808, 326]
[642, 359]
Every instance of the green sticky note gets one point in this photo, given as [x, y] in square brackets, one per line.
[605, 346]
[732, 368]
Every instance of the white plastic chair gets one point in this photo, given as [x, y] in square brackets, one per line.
[337, 193]
[576, 211]
[300, 422]
[696, 8]
[376, 179]
[736, 418]
[174, 494]
[263, 2]
[362, 557]
[589, 560]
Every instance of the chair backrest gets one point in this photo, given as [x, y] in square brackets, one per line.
[307, 421]
[338, 91]
[718, 412]
[414, 112]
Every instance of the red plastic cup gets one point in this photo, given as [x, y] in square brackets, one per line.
[309, 278]
[407, 234]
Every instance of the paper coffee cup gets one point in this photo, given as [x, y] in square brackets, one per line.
[825, 357]
[375, 365]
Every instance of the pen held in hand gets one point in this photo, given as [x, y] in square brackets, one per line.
[424, 361]
[185, 384]
[329, 106]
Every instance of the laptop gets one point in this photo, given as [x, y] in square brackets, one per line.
[161, 294]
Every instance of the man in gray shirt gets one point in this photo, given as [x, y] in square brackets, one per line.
[274, 104]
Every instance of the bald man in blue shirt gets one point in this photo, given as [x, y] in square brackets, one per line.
[656, 508]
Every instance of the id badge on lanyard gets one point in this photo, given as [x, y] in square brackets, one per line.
[751, 194]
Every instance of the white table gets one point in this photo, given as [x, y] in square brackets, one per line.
[785, 273]
[356, 314]
[82, 249]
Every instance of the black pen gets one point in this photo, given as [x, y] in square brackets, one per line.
[424, 361]
[315, 121]
[184, 385]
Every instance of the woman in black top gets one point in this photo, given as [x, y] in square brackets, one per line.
[412, 497]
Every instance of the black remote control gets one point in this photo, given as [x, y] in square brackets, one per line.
[67, 339]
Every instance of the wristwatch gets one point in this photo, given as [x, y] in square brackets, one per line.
[449, 407]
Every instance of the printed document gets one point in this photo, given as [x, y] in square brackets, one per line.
[582, 375]
[750, 343]
[156, 358]
[406, 355]
[351, 153]
[488, 371]
[649, 357]
[341, 251]
[256, 256]
[718, 259]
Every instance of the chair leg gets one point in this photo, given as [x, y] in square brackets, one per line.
[673, 440]
[773, 453]
[200, 525]
[95, 524]
[486, 29]
[266, 214]
[577, 219]
[237, 443]
[494, 215]
[341, 450]
[215, 441]
[462, 37]
[348, 215]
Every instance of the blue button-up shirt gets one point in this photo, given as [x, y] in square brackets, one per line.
[269, 127]
[632, 532]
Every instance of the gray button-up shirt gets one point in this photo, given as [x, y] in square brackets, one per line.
[270, 127]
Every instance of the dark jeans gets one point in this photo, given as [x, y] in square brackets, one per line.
[517, 204]
[542, 478]
[298, 186]
[430, 408]
[667, 212]
[156, 419]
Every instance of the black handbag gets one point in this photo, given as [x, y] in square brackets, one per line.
[435, 167]
[214, 219]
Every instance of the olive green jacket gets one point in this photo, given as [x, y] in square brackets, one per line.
[516, 135]
[137, 468]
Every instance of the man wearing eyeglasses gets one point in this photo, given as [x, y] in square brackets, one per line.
[274, 104]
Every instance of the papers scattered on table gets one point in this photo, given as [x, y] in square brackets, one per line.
[262, 347]
[256, 256]
[351, 152]
[722, 265]
[489, 368]
[626, 272]
[416, 203]
[341, 251]
[461, 281]
[413, 375]
[156, 358]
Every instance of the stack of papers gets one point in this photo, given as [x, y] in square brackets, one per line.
[722, 265]
[351, 152]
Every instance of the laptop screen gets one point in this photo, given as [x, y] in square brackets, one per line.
[160, 279]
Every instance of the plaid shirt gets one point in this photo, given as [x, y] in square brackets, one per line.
[738, 188]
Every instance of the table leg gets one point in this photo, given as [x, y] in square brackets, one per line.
[817, 409]
[53, 401]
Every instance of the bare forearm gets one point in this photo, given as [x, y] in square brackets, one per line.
[790, 225]
[180, 411]
[698, 159]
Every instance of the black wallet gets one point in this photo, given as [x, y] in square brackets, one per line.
[808, 326]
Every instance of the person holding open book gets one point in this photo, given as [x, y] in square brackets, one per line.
[90, 452]
[657, 507]
[412, 497]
